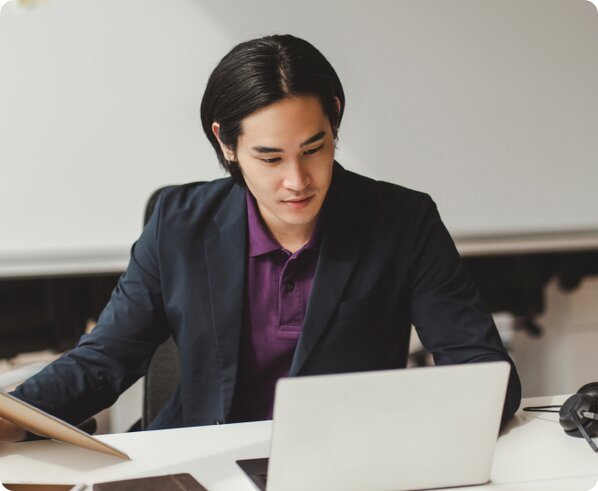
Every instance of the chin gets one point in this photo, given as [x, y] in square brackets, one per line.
[299, 221]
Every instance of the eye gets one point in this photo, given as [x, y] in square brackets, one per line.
[311, 151]
[273, 160]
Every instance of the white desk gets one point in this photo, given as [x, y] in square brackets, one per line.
[532, 454]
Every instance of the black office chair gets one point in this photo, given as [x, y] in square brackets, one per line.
[161, 380]
[163, 373]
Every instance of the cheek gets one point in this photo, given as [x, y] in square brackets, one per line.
[262, 183]
[323, 167]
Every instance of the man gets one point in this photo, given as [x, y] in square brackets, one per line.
[293, 266]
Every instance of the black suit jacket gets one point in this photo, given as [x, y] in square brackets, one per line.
[386, 261]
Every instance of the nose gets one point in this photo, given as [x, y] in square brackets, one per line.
[296, 177]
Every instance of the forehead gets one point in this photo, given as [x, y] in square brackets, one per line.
[289, 120]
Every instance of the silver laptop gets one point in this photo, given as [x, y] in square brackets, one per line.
[389, 430]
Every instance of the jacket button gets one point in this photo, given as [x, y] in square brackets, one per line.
[289, 286]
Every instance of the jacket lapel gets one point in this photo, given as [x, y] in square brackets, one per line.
[226, 253]
[342, 240]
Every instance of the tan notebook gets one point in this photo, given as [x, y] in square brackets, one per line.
[37, 421]
[39, 487]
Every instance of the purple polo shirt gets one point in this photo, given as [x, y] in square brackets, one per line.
[277, 291]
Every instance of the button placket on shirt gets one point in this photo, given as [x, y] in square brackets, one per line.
[290, 297]
[288, 283]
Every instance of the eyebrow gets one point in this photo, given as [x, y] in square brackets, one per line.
[311, 139]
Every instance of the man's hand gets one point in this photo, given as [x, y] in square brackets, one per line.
[10, 432]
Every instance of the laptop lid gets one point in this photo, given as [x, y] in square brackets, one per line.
[387, 430]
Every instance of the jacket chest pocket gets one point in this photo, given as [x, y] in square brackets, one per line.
[370, 305]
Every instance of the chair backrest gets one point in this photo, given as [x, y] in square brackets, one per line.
[163, 373]
[161, 380]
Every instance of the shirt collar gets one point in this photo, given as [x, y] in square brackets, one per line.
[260, 240]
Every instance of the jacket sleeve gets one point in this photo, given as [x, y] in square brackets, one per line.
[106, 362]
[447, 311]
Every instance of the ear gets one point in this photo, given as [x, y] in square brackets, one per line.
[227, 151]
[338, 105]
[338, 112]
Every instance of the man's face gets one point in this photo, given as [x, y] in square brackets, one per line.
[286, 154]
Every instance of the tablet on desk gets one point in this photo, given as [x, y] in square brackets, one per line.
[37, 421]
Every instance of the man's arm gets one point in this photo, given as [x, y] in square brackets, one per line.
[106, 362]
[451, 319]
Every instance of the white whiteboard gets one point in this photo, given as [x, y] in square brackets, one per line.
[489, 106]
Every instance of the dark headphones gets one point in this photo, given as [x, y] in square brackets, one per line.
[578, 415]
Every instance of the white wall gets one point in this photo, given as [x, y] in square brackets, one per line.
[490, 106]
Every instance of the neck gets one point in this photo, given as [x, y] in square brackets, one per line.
[291, 237]
[292, 240]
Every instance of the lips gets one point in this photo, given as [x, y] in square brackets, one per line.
[298, 203]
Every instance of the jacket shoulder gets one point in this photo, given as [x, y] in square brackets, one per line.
[389, 196]
[193, 193]
[188, 208]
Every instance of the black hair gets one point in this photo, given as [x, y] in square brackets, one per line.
[260, 72]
